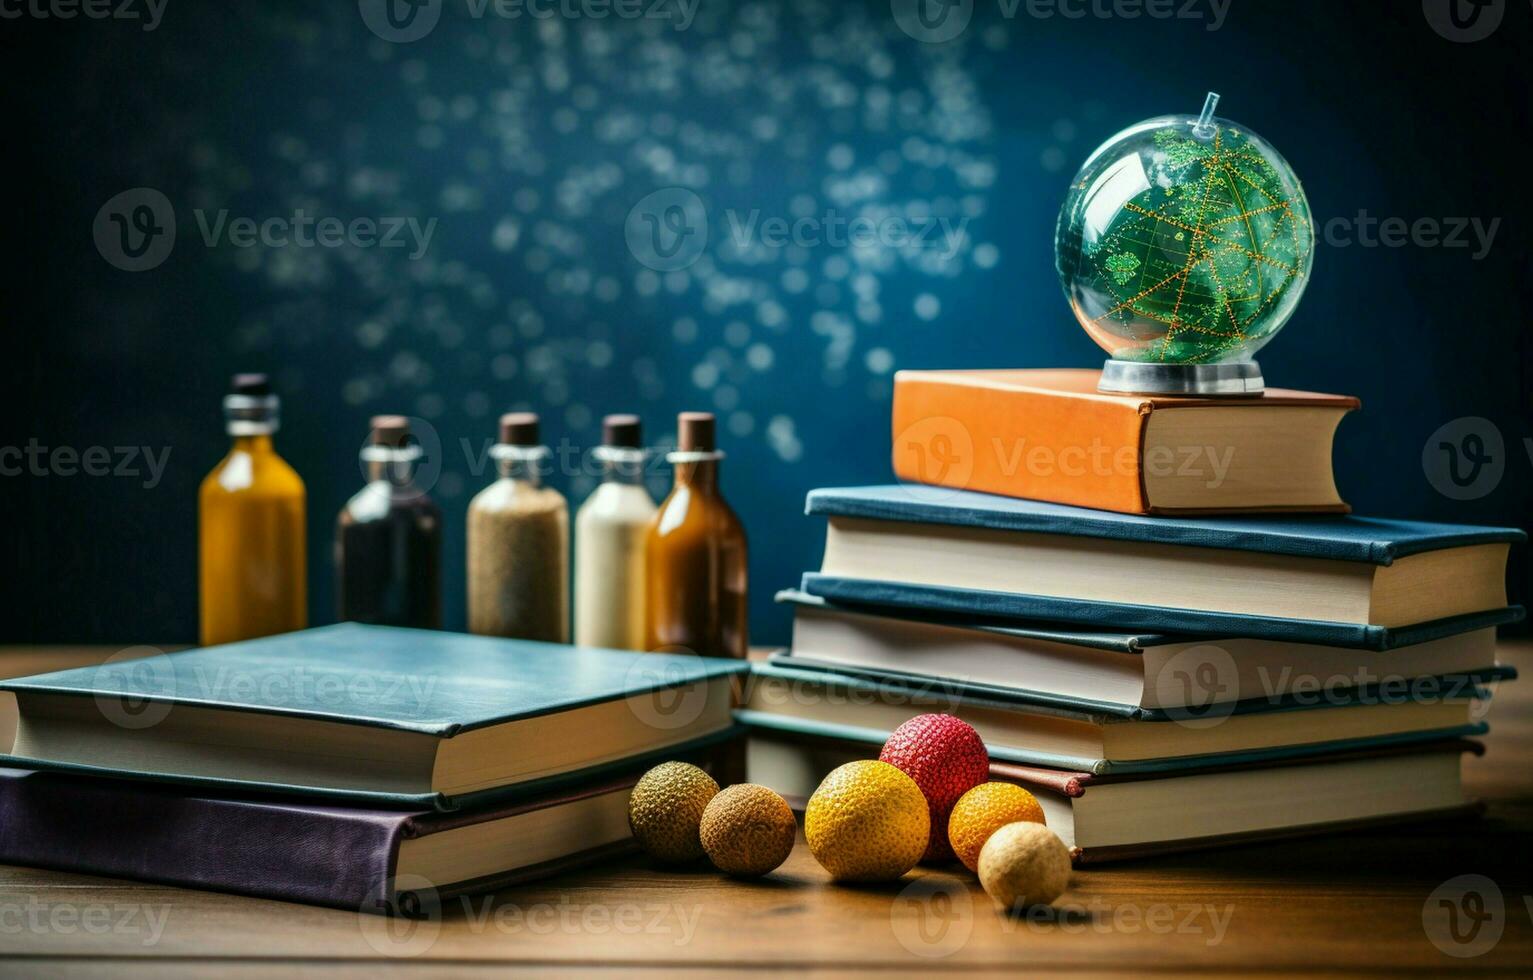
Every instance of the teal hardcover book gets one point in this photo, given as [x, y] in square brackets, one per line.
[1336, 580]
[375, 714]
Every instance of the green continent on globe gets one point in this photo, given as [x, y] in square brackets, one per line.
[1203, 262]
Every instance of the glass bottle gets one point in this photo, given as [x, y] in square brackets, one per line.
[388, 538]
[696, 555]
[518, 543]
[610, 531]
[252, 579]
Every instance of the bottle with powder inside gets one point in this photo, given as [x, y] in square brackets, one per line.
[610, 532]
[388, 538]
[695, 555]
[518, 543]
[252, 580]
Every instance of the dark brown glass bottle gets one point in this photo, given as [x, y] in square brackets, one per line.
[388, 538]
[695, 555]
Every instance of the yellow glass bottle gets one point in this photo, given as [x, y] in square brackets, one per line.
[252, 577]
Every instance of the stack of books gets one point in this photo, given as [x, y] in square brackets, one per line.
[365, 767]
[1130, 621]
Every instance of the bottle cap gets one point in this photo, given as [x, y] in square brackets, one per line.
[250, 407]
[694, 432]
[622, 432]
[392, 431]
[519, 429]
[251, 385]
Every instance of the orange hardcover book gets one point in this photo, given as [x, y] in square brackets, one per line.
[1048, 434]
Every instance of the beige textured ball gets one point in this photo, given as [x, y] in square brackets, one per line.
[1024, 864]
[665, 810]
[748, 830]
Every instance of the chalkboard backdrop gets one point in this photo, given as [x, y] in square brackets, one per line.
[448, 209]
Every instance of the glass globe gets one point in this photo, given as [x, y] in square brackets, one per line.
[1184, 240]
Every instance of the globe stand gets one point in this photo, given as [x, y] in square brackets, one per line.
[1234, 379]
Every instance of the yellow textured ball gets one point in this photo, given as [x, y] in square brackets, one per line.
[867, 822]
[982, 811]
[748, 830]
[665, 810]
[1024, 864]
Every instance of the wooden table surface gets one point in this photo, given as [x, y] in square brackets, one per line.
[1374, 901]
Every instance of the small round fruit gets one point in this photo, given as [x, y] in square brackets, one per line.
[748, 830]
[665, 810]
[867, 822]
[1024, 864]
[947, 758]
[982, 811]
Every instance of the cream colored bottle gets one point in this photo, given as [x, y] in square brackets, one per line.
[610, 532]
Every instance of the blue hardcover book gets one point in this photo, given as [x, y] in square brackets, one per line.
[375, 714]
[1111, 670]
[1336, 580]
[1105, 739]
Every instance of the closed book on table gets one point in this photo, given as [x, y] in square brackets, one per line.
[1100, 739]
[1115, 818]
[362, 859]
[1060, 663]
[375, 715]
[1048, 434]
[1337, 580]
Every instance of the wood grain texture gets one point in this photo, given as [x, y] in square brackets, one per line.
[1349, 903]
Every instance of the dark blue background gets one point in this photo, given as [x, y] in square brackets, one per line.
[254, 107]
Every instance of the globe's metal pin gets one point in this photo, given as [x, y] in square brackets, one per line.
[1205, 126]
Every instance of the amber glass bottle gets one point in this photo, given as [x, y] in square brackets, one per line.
[388, 538]
[695, 555]
[252, 579]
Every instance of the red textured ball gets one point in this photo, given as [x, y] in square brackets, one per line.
[946, 758]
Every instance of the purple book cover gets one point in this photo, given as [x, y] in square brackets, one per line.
[294, 851]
